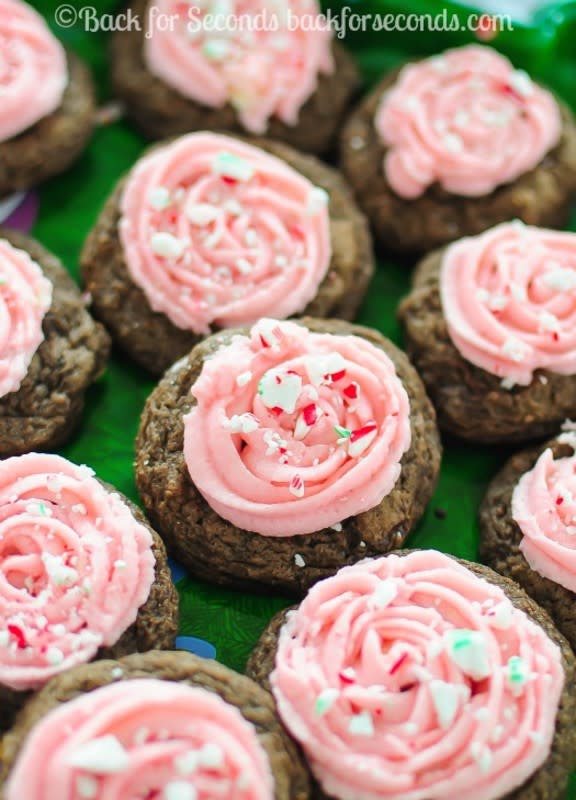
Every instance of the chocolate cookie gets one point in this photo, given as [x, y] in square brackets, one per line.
[501, 544]
[161, 111]
[103, 598]
[351, 610]
[152, 338]
[471, 403]
[43, 413]
[414, 225]
[218, 551]
[51, 145]
[249, 747]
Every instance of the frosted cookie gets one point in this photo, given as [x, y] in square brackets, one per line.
[51, 350]
[491, 326]
[415, 676]
[210, 232]
[278, 454]
[528, 525]
[82, 575]
[451, 145]
[47, 108]
[272, 68]
[167, 725]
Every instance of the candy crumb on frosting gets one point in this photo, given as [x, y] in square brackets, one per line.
[142, 738]
[411, 677]
[294, 431]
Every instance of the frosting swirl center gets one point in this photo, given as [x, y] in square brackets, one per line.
[29, 55]
[294, 431]
[75, 566]
[509, 300]
[216, 231]
[142, 739]
[408, 677]
[544, 507]
[467, 120]
[25, 297]
[263, 57]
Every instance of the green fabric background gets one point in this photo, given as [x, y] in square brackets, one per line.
[232, 621]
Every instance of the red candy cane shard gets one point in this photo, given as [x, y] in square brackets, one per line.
[297, 486]
[310, 414]
[351, 391]
[365, 430]
[396, 666]
[17, 632]
[306, 420]
[347, 675]
[362, 438]
[335, 376]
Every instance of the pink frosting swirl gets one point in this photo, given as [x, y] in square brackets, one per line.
[264, 58]
[295, 431]
[411, 678]
[544, 507]
[467, 120]
[142, 739]
[75, 566]
[25, 297]
[216, 231]
[30, 56]
[509, 300]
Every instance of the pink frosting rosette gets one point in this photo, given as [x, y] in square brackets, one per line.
[25, 297]
[544, 507]
[33, 69]
[295, 431]
[142, 738]
[264, 58]
[509, 300]
[216, 231]
[466, 120]
[411, 678]
[75, 567]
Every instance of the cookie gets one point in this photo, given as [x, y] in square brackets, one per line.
[211, 232]
[527, 519]
[275, 456]
[417, 675]
[489, 324]
[452, 145]
[292, 84]
[160, 724]
[52, 349]
[41, 132]
[84, 576]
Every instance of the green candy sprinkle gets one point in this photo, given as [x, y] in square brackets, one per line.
[325, 701]
[343, 433]
[518, 672]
